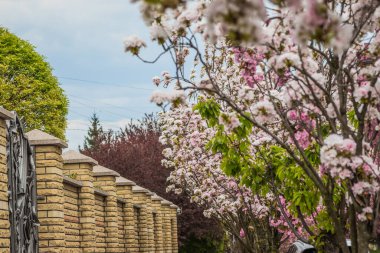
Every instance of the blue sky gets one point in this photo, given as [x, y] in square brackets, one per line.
[83, 42]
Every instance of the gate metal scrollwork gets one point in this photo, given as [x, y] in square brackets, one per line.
[22, 191]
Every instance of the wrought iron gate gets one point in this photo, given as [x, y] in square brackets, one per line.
[22, 191]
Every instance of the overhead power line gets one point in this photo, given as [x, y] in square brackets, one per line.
[104, 83]
[80, 114]
[76, 129]
[107, 111]
[98, 101]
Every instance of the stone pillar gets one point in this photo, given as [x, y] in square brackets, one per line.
[146, 221]
[79, 167]
[48, 159]
[124, 191]
[157, 224]
[174, 228]
[4, 210]
[150, 224]
[166, 210]
[105, 179]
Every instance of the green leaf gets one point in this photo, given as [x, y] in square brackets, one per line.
[28, 86]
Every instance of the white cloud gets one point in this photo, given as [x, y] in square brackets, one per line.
[83, 39]
[84, 21]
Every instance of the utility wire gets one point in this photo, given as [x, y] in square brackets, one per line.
[110, 112]
[76, 129]
[91, 100]
[97, 82]
[81, 114]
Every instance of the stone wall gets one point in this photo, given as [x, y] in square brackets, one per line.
[84, 207]
[71, 216]
[4, 213]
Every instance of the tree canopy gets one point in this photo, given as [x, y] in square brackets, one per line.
[136, 153]
[275, 115]
[94, 134]
[28, 86]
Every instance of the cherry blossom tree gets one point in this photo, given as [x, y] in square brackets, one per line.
[287, 96]
[198, 174]
[136, 153]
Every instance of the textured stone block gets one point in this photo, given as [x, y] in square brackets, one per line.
[48, 149]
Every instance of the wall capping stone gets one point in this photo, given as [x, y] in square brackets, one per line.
[73, 156]
[100, 171]
[139, 189]
[123, 181]
[121, 200]
[166, 203]
[5, 114]
[136, 206]
[71, 181]
[156, 197]
[39, 138]
[149, 193]
[101, 192]
[173, 206]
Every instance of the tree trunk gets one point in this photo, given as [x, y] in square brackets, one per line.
[353, 230]
[363, 238]
[343, 244]
[339, 231]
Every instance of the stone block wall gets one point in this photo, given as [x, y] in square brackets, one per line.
[142, 213]
[50, 189]
[121, 227]
[105, 181]
[174, 227]
[157, 224]
[71, 216]
[131, 216]
[137, 230]
[84, 207]
[4, 213]
[100, 224]
[114, 214]
[167, 226]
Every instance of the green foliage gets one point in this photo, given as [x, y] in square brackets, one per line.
[271, 169]
[94, 134]
[28, 86]
[204, 245]
[210, 110]
[295, 185]
[73, 175]
[324, 221]
[352, 119]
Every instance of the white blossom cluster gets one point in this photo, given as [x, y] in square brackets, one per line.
[133, 44]
[197, 171]
[161, 97]
[304, 74]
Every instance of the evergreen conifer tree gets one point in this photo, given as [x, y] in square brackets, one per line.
[94, 134]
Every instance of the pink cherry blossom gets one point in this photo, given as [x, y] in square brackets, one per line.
[298, 72]
[242, 233]
[302, 138]
[292, 115]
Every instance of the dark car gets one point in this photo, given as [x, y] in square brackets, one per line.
[301, 247]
